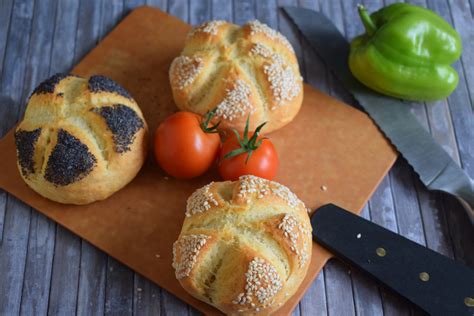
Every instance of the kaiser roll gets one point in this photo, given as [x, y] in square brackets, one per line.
[80, 140]
[239, 71]
[245, 246]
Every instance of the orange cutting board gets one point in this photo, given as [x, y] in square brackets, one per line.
[331, 152]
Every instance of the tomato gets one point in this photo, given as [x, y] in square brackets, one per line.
[184, 146]
[263, 161]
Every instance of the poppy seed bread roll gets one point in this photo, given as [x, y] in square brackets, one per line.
[245, 246]
[239, 71]
[80, 140]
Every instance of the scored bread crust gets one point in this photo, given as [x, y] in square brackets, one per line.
[245, 246]
[80, 139]
[240, 71]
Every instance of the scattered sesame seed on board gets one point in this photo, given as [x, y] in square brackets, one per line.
[157, 256]
[324, 188]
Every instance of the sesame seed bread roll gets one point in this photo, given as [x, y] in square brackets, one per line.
[240, 71]
[80, 140]
[245, 246]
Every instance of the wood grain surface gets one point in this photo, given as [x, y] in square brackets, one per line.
[47, 270]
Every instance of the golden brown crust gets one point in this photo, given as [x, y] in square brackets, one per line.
[240, 71]
[92, 139]
[245, 246]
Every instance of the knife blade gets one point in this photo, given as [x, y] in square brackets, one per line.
[433, 165]
[433, 282]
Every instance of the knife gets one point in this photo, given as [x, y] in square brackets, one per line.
[433, 282]
[433, 165]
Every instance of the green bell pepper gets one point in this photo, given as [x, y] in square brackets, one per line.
[406, 53]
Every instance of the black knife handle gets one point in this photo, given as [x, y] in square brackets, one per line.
[435, 283]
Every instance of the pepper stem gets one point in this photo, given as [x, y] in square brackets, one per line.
[369, 25]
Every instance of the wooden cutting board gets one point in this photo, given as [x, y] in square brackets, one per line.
[329, 145]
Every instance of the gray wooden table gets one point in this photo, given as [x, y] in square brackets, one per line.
[45, 269]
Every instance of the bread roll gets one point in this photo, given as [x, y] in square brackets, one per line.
[80, 140]
[245, 246]
[240, 71]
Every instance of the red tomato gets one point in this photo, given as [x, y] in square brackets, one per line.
[263, 161]
[183, 148]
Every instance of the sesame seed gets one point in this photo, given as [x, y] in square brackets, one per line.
[262, 282]
[200, 201]
[284, 83]
[324, 188]
[185, 252]
[185, 70]
[210, 27]
[250, 185]
[236, 102]
[257, 27]
[293, 230]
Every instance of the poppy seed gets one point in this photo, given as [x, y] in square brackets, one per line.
[70, 160]
[101, 83]
[25, 144]
[49, 84]
[123, 122]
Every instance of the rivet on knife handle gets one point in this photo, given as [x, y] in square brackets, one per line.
[435, 283]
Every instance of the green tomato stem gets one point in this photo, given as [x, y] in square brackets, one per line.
[369, 25]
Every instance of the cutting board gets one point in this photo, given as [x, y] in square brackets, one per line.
[331, 152]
